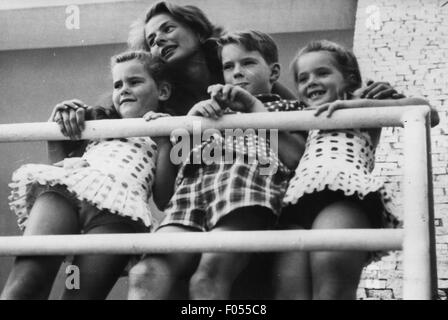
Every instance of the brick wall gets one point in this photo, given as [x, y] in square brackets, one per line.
[405, 42]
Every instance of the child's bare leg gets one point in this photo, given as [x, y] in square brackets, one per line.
[159, 276]
[32, 276]
[336, 274]
[99, 273]
[216, 271]
[291, 274]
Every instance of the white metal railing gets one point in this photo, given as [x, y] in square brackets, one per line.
[416, 239]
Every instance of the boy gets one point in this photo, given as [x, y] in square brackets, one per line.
[223, 196]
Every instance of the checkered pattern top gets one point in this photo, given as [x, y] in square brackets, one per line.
[251, 143]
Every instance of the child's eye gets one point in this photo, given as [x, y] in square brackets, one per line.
[323, 72]
[135, 82]
[117, 85]
[248, 63]
[227, 67]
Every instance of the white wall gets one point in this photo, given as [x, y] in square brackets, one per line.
[106, 23]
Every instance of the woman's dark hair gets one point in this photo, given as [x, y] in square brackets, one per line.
[345, 59]
[191, 16]
[194, 18]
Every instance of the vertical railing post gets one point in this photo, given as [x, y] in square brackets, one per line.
[432, 229]
[418, 253]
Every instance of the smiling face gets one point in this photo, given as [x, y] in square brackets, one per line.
[319, 80]
[170, 39]
[248, 69]
[135, 91]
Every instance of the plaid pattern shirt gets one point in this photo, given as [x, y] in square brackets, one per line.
[250, 144]
[206, 193]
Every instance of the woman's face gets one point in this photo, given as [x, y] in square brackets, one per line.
[169, 39]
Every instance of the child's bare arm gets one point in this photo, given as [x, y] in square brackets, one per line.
[372, 103]
[290, 145]
[166, 171]
[56, 151]
[165, 175]
[290, 148]
[60, 150]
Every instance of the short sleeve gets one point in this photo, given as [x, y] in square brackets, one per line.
[287, 105]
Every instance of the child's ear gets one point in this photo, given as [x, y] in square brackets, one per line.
[275, 72]
[352, 79]
[164, 91]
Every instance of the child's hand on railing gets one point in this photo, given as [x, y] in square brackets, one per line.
[206, 108]
[151, 115]
[70, 116]
[233, 97]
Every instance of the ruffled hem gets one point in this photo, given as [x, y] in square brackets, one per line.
[351, 184]
[105, 192]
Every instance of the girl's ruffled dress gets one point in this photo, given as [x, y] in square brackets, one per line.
[340, 160]
[118, 178]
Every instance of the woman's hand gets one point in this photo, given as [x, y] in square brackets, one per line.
[70, 116]
[377, 90]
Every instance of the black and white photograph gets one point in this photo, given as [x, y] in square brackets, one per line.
[245, 151]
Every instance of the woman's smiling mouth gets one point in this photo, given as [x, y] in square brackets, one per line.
[168, 51]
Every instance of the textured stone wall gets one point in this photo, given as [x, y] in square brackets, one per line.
[405, 42]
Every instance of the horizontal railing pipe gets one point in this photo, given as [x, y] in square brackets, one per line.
[416, 239]
[292, 120]
[226, 241]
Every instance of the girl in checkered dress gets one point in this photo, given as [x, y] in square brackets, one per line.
[333, 186]
[106, 190]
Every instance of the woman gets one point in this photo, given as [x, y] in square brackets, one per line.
[184, 37]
